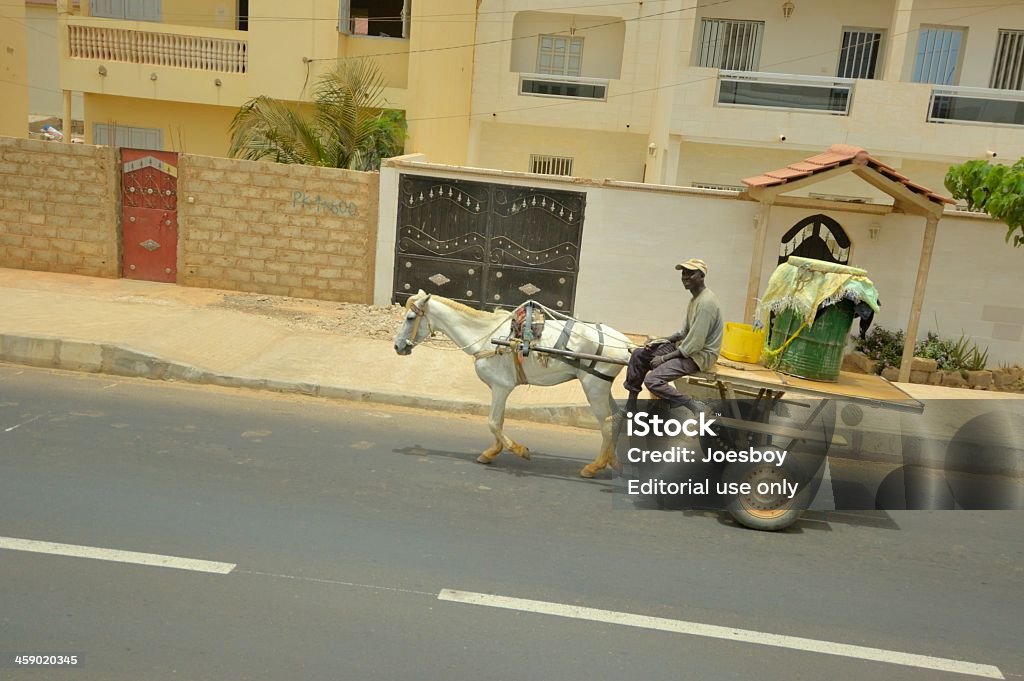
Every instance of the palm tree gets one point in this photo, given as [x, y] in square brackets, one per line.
[347, 127]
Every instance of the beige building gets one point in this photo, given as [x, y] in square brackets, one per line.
[45, 97]
[667, 93]
[170, 74]
[13, 69]
[660, 92]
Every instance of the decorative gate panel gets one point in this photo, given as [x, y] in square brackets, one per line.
[487, 245]
[149, 214]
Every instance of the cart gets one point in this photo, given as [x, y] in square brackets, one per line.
[763, 408]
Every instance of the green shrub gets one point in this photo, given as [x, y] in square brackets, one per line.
[883, 346]
[967, 357]
[886, 347]
[940, 349]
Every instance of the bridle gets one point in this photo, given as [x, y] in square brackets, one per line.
[420, 311]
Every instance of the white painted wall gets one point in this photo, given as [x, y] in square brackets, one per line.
[603, 38]
[595, 153]
[807, 43]
[634, 234]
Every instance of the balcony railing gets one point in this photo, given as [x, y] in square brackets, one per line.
[158, 49]
[574, 87]
[785, 91]
[985, 106]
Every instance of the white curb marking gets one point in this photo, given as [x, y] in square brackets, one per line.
[725, 633]
[151, 559]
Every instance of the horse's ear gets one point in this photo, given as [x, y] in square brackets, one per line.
[421, 293]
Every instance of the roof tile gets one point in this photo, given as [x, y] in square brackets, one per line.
[837, 155]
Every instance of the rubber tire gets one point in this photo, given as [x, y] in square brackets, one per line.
[776, 519]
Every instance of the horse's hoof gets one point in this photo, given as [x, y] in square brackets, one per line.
[483, 458]
[587, 472]
[525, 454]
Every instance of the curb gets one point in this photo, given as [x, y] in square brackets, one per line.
[104, 358]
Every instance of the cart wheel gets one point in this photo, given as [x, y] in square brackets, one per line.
[764, 510]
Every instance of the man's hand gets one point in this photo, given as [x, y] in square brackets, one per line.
[658, 361]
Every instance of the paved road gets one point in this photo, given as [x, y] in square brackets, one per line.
[341, 524]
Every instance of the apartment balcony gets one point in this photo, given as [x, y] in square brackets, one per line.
[785, 91]
[571, 87]
[152, 60]
[156, 48]
[913, 120]
[977, 106]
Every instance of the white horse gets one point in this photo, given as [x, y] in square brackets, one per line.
[472, 330]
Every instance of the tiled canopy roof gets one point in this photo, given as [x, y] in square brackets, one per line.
[836, 156]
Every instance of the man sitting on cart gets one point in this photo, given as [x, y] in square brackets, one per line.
[692, 349]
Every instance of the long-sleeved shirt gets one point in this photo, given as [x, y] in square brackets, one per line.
[702, 330]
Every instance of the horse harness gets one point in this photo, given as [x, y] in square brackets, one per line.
[527, 329]
[563, 342]
[420, 312]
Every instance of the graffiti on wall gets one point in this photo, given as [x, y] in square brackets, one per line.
[317, 204]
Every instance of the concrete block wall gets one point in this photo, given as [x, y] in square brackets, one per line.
[59, 206]
[278, 229]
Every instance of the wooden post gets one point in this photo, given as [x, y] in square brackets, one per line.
[919, 287]
[756, 261]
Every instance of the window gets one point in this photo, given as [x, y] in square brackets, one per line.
[938, 55]
[1008, 67]
[122, 136]
[550, 165]
[858, 57]
[730, 45]
[559, 55]
[242, 15]
[380, 18]
[134, 10]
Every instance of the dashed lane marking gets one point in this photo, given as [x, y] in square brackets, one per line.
[115, 555]
[725, 633]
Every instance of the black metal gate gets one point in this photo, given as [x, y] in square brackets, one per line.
[487, 245]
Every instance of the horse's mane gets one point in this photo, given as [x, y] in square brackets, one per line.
[455, 305]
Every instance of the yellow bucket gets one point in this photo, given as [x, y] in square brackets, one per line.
[741, 343]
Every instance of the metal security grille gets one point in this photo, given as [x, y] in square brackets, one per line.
[559, 55]
[487, 245]
[730, 45]
[550, 165]
[818, 237]
[125, 136]
[938, 55]
[858, 57]
[1008, 67]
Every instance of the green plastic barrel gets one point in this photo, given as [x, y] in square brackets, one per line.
[817, 351]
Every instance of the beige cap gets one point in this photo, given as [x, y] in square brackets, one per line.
[693, 264]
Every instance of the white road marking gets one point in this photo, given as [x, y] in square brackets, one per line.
[725, 633]
[36, 418]
[115, 555]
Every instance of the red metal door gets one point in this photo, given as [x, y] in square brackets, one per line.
[149, 214]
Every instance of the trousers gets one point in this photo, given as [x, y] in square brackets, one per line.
[658, 381]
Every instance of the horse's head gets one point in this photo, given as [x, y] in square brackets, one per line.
[415, 327]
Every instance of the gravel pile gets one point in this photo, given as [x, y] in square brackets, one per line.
[347, 319]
